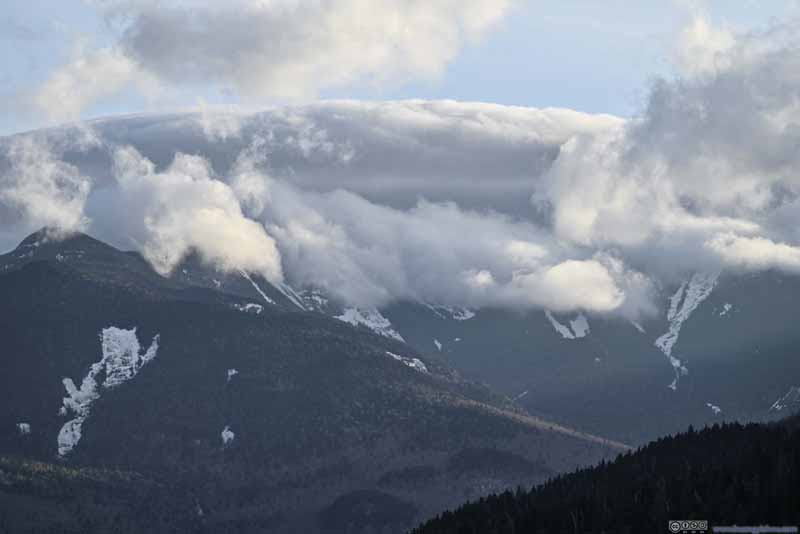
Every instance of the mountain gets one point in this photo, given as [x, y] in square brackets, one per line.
[723, 347]
[720, 349]
[246, 415]
[37, 496]
[725, 475]
[720, 346]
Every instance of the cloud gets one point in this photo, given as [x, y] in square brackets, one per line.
[702, 49]
[755, 253]
[368, 254]
[220, 122]
[476, 204]
[267, 51]
[712, 155]
[475, 154]
[457, 203]
[265, 210]
[38, 189]
[87, 78]
[185, 208]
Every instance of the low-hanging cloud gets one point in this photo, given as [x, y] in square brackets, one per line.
[39, 189]
[475, 154]
[370, 255]
[462, 203]
[266, 209]
[180, 210]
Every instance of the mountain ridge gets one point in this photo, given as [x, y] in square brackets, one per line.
[273, 415]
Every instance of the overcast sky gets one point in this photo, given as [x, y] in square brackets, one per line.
[580, 54]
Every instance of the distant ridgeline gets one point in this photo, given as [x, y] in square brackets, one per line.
[727, 475]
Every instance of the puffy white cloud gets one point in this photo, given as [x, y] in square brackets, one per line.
[569, 285]
[277, 200]
[265, 50]
[220, 122]
[38, 189]
[368, 254]
[286, 48]
[701, 48]
[712, 156]
[181, 209]
[755, 252]
[88, 77]
[374, 202]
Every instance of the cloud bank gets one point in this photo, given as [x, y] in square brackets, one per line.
[707, 175]
[355, 199]
[447, 202]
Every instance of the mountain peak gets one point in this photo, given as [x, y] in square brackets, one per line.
[51, 234]
[77, 250]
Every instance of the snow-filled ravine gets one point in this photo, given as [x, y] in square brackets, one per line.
[455, 313]
[372, 319]
[578, 327]
[122, 360]
[682, 303]
[414, 363]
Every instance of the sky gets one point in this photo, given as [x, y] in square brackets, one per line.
[591, 56]
[574, 156]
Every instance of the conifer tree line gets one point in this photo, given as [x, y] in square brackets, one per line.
[729, 474]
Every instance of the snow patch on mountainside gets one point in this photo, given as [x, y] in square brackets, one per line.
[250, 307]
[578, 327]
[560, 328]
[726, 308]
[414, 363]
[714, 408]
[256, 287]
[232, 373]
[24, 429]
[792, 397]
[638, 327]
[451, 312]
[675, 301]
[121, 355]
[438, 345]
[683, 303]
[372, 319]
[293, 296]
[227, 436]
[461, 314]
[121, 361]
[314, 300]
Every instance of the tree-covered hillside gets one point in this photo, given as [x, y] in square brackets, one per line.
[269, 419]
[730, 474]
